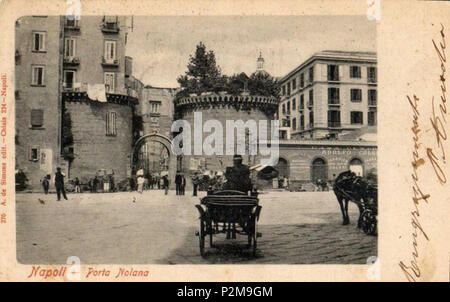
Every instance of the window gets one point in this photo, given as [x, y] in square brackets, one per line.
[355, 95]
[69, 47]
[302, 122]
[334, 118]
[37, 118]
[372, 74]
[37, 75]
[69, 78]
[39, 41]
[110, 23]
[372, 97]
[288, 107]
[355, 72]
[110, 51]
[333, 96]
[154, 106]
[294, 84]
[311, 119]
[294, 104]
[302, 102]
[294, 124]
[302, 80]
[333, 73]
[311, 98]
[283, 89]
[372, 117]
[283, 109]
[356, 117]
[311, 74]
[111, 124]
[34, 153]
[71, 21]
[289, 88]
[109, 81]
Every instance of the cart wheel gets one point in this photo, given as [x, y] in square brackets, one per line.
[369, 222]
[201, 237]
[255, 236]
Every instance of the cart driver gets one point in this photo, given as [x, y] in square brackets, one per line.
[238, 176]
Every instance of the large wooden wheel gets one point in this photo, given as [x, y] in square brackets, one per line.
[201, 237]
[369, 222]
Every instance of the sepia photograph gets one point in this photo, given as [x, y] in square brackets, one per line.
[196, 139]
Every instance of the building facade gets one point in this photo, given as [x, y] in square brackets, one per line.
[73, 107]
[329, 95]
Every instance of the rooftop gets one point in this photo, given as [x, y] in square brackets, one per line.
[363, 56]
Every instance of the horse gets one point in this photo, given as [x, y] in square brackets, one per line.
[350, 187]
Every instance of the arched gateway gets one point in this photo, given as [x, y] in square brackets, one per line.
[152, 153]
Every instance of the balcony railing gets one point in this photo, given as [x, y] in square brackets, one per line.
[72, 60]
[334, 124]
[110, 62]
[372, 79]
[71, 24]
[334, 101]
[372, 102]
[110, 27]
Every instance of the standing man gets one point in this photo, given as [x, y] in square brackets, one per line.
[178, 182]
[195, 181]
[59, 184]
[183, 184]
[45, 183]
[166, 184]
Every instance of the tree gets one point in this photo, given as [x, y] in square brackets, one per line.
[203, 74]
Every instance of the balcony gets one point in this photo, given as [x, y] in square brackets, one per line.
[110, 62]
[74, 87]
[71, 24]
[333, 101]
[334, 124]
[372, 80]
[372, 103]
[110, 27]
[73, 61]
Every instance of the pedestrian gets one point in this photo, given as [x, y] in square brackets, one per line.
[95, 184]
[183, 184]
[140, 181]
[178, 181]
[45, 183]
[59, 184]
[195, 181]
[77, 185]
[165, 184]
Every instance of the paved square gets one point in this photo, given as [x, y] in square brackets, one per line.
[297, 228]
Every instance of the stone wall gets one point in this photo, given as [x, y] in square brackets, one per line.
[93, 149]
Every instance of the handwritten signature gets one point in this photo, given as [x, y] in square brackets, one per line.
[436, 157]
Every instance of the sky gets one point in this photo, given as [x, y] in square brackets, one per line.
[161, 46]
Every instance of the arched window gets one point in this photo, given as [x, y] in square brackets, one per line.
[356, 166]
[319, 170]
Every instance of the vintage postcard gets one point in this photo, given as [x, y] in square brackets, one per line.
[224, 140]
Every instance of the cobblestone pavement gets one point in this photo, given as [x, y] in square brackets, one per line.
[297, 228]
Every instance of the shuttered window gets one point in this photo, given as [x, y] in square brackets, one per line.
[34, 153]
[111, 127]
[37, 118]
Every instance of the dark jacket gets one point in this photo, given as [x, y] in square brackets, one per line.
[59, 179]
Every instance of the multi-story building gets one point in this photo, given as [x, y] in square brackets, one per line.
[73, 107]
[157, 109]
[329, 95]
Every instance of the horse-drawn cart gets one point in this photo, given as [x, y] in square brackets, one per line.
[228, 212]
[364, 193]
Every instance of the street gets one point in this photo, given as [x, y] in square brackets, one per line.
[109, 228]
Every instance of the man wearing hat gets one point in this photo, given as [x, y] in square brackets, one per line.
[59, 184]
[238, 176]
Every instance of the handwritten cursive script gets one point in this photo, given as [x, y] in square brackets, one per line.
[435, 156]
